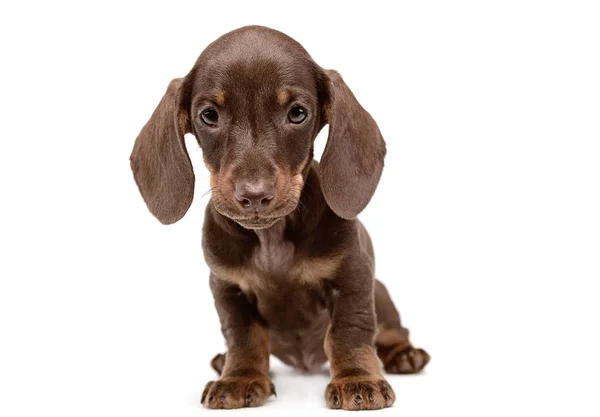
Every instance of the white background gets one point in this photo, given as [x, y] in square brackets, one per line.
[486, 222]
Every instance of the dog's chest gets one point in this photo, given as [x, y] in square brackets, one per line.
[276, 263]
[277, 260]
[275, 254]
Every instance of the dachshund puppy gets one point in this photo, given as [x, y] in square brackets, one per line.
[292, 270]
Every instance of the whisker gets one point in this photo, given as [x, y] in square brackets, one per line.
[210, 191]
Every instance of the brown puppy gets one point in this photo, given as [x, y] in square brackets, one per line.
[291, 267]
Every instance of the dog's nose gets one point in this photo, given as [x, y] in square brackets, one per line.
[254, 196]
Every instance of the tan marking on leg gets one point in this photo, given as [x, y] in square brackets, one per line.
[245, 380]
[254, 356]
[357, 382]
[342, 359]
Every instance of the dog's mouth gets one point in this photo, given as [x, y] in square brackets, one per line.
[257, 219]
[258, 223]
[254, 220]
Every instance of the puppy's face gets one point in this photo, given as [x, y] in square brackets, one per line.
[255, 111]
[255, 100]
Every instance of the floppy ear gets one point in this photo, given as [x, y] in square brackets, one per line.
[160, 162]
[352, 162]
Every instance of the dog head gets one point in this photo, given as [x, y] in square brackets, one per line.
[255, 101]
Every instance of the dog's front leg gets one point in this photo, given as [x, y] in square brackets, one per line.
[357, 382]
[245, 378]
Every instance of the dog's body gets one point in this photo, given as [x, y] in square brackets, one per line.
[292, 270]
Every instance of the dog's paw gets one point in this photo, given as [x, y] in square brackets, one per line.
[237, 392]
[362, 393]
[408, 361]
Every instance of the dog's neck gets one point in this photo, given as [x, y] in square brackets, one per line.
[271, 236]
[274, 252]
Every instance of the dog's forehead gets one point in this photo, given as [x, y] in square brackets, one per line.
[254, 55]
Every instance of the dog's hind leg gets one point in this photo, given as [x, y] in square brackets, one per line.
[218, 362]
[393, 346]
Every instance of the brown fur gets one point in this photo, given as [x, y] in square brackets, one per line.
[296, 278]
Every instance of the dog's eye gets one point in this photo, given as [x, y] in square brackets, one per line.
[210, 117]
[297, 115]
